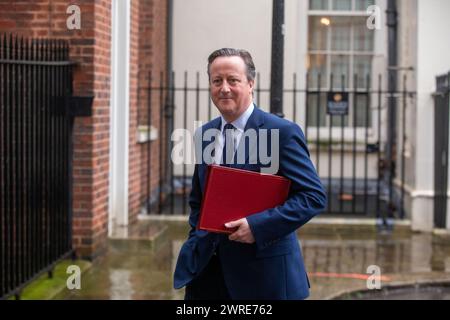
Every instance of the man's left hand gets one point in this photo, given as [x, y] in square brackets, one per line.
[243, 233]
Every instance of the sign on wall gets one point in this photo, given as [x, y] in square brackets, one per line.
[337, 103]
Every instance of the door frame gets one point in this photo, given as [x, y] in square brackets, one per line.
[119, 113]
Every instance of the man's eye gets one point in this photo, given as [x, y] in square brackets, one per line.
[233, 81]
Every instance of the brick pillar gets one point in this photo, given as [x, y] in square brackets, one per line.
[134, 151]
[148, 53]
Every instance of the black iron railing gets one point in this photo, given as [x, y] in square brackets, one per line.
[348, 148]
[35, 159]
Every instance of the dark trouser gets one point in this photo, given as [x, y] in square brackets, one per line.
[209, 285]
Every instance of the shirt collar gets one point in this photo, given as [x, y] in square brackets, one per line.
[240, 122]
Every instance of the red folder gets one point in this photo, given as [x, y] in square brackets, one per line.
[232, 194]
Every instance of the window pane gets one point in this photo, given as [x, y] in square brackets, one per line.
[342, 5]
[318, 4]
[340, 69]
[340, 33]
[317, 38]
[316, 113]
[362, 67]
[362, 5]
[362, 109]
[363, 37]
[317, 65]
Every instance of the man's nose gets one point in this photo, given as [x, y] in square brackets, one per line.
[225, 87]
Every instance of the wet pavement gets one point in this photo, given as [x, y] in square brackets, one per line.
[140, 261]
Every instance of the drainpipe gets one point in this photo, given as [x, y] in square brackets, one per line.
[276, 79]
[169, 105]
[169, 26]
[392, 24]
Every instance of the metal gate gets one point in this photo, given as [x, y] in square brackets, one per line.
[345, 131]
[346, 142]
[441, 140]
[35, 159]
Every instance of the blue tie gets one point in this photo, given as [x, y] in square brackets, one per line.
[230, 129]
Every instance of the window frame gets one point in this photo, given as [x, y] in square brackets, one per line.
[329, 53]
[330, 8]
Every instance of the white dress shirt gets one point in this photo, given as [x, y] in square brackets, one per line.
[239, 124]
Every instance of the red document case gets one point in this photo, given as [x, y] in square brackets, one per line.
[232, 194]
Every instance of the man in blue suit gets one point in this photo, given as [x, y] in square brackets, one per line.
[262, 259]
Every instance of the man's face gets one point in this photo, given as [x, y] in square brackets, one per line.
[231, 92]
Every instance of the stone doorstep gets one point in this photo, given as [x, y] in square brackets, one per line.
[324, 225]
[445, 233]
[441, 237]
[153, 240]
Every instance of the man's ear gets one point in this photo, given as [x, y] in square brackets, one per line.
[251, 83]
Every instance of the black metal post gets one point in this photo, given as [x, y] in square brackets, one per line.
[392, 104]
[169, 103]
[380, 86]
[149, 144]
[276, 81]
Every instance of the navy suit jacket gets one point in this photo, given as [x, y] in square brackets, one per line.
[272, 267]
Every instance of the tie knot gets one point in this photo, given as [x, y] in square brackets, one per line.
[228, 126]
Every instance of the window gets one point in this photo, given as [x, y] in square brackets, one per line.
[340, 5]
[340, 46]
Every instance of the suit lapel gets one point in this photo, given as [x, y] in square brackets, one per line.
[202, 168]
[255, 121]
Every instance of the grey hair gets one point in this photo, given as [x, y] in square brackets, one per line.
[231, 52]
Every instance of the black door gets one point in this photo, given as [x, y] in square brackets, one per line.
[441, 132]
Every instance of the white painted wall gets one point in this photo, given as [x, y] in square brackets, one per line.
[201, 26]
[433, 48]
[407, 49]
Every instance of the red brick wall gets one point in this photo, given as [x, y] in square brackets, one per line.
[90, 47]
[100, 156]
